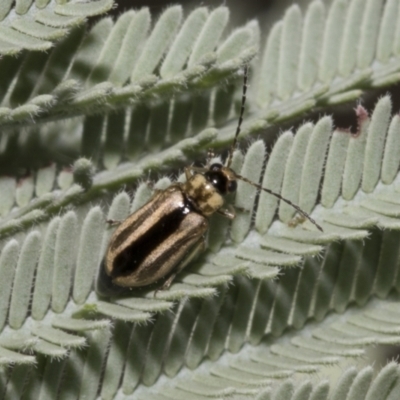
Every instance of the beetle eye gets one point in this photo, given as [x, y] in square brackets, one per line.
[217, 180]
[216, 167]
[232, 186]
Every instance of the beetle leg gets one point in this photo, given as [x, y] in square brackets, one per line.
[210, 156]
[113, 222]
[242, 209]
[191, 168]
[198, 248]
[200, 170]
[188, 174]
[228, 212]
[166, 284]
[150, 185]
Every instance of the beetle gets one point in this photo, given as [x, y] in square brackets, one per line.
[157, 241]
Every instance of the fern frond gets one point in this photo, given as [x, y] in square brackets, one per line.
[44, 200]
[314, 73]
[262, 304]
[257, 306]
[378, 208]
[28, 25]
[352, 385]
[65, 89]
[119, 71]
[328, 57]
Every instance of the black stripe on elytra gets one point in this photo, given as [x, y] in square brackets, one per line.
[123, 235]
[128, 260]
[178, 244]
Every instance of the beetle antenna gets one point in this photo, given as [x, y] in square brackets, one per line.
[233, 146]
[295, 206]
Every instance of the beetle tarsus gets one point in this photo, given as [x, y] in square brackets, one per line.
[113, 222]
[228, 212]
[166, 284]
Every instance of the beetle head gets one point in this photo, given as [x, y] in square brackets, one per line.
[222, 178]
